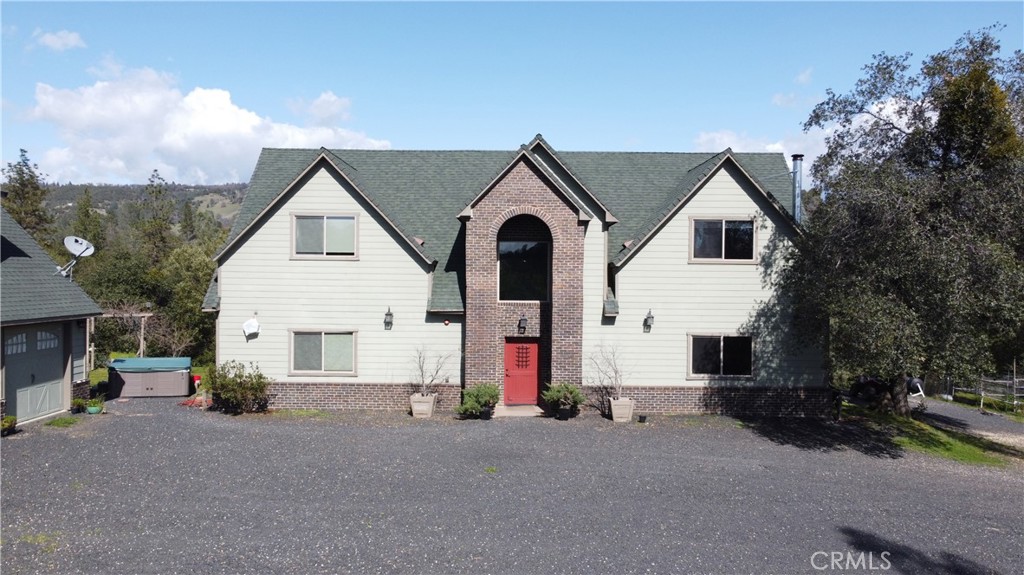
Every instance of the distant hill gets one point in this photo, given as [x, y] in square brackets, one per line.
[222, 200]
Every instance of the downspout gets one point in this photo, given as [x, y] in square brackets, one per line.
[798, 187]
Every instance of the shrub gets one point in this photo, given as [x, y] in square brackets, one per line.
[96, 401]
[8, 424]
[234, 389]
[475, 398]
[563, 396]
[78, 405]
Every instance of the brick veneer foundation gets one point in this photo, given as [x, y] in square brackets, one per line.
[384, 396]
[743, 401]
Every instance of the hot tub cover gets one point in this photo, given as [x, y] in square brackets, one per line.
[149, 364]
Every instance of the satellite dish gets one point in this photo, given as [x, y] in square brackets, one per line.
[251, 329]
[79, 248]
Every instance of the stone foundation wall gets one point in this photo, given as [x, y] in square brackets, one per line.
[81, 389]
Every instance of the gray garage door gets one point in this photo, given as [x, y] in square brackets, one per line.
[34, 370]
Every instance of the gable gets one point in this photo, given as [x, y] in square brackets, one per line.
[696, 183]
[30, 288]
[421, 194]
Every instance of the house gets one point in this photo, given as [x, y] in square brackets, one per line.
[521, 266]
[43, 318]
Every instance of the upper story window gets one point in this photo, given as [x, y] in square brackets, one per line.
[524, 260]
[723, 240]
[325, 236]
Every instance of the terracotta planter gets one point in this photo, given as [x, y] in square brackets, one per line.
[622, 409]
[422, 405]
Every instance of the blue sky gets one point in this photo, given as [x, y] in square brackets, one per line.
[107, 92]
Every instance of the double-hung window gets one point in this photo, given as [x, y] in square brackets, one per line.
[721, 355]
[324, 352]
[723, 240]
[325, 236]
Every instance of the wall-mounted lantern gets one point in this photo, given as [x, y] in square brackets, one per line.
[389, 319]
[648, 322]
[522, 323]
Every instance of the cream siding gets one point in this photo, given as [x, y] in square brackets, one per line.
[262, 279]
[688, 298]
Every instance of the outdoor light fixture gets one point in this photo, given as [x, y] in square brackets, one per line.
[522, 323]
[648, 322]
[389, 319]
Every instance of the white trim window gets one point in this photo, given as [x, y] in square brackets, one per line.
[325, 236]
[722, 240]
[17, 343]
[721, 356]
[323, 352]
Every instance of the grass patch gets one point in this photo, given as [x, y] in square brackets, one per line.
[490, 469]
[46, 543]
[918, 436]
[62, 421]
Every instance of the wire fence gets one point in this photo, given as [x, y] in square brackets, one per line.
[1008, 390]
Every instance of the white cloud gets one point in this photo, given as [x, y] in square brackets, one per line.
[327, 110]
[130, 122]
[785, 100]
[804, 77]
[58, 41]
[811, 144]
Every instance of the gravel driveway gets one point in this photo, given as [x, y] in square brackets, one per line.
[152, 487]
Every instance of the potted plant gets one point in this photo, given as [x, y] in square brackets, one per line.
[610, 375]
[78, 405]
[565, 397]
[94, 405]
[479, 401]
[8, 425]
[428, 372]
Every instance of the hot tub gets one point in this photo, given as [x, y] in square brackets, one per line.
[150, 376]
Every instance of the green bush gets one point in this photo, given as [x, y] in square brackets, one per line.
[234, 389]
[96, 401]
[475, 398]
[8, 424]
[78, 404]
[563, 396]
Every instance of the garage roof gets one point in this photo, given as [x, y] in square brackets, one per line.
[30, 289]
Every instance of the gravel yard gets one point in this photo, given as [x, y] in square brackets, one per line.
[153, 487]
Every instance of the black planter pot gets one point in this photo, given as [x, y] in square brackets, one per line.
[485, 413]
[564, 413]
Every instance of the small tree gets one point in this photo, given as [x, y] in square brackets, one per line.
[429, 370]
[609, 373]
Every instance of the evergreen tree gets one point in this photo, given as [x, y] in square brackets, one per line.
[24, 196]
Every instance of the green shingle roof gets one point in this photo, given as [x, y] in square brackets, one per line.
[422, 193]
[29, 289]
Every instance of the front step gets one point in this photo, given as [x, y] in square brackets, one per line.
[501, 410]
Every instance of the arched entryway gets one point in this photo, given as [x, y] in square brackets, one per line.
[524, 253]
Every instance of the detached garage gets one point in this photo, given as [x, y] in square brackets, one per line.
[43, 323]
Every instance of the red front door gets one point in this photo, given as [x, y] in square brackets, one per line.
[521, 372]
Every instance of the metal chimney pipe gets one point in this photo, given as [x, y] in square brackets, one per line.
[798, 187]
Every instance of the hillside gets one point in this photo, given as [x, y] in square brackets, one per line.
[222, 200]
